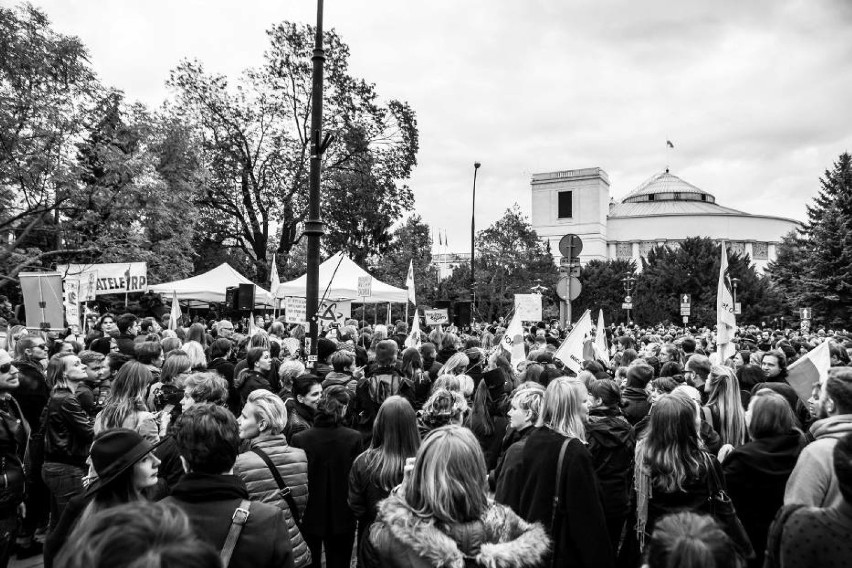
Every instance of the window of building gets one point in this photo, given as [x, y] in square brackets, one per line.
[760, 251]
[565, 208]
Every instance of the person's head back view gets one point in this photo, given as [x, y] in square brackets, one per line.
[687, 539]
[449, 481]
[208, 439]
[137, 535]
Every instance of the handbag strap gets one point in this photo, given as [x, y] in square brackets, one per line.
[238, 520]
[556, 501]
[282, 486]
[714, 484]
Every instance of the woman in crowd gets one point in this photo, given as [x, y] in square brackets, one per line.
[441, 516]
[456, 366]
[756, 473]
[561, 438]
[68, 433]
[220, 352]
[289, 370]
[331, 449]
[379, 469]
[442, 408]
[417, 380]
[302, 408]
[169, 390]
[125, 406]
[687, 539]
[125, 465]
[724, 410]
[487, 420]
[449, 346]
[254, 375]
[198, 333]
[611, 442]
[14, 437]
[262, 425]
[203, 387]
[195, 352]
[523, 415]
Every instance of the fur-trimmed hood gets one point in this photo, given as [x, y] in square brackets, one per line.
[500, 539]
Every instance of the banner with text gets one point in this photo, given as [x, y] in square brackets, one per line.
[437, 317]
[528, 306]
[110, 278]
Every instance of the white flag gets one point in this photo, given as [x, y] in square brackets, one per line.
[413, 339]
[726, 323]
[601, 349]
[571, 350]
[409, 283]
[252, 327]
[274, 281]
[513, 341]
[808, 370]
[174, 315]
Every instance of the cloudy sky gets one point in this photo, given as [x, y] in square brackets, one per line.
[754, 95]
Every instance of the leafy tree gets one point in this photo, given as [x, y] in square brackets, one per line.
[510, 259]
[603, 288]
[47, 85]
[814, 266]
[256, 145]
[409, 242]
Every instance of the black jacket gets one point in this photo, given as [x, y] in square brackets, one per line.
[210, 502]
[226, 370]
[512, 435]
[756, 474]
[331, 451]
[126, 344]
[32, 393]
[635, 405]
[581, 515]
[300, 417]
[68, 431]
[249, 381]
[612, 443]
[14, 435]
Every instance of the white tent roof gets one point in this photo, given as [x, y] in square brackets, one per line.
[210, 287]
[343, 274]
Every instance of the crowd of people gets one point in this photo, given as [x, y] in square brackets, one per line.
[204, 446]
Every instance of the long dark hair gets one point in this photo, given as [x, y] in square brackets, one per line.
[395, 439]
[480, 421]
[672, 448]
[411, 362]
[119, 491]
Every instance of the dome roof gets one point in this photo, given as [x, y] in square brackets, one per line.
[665, 186]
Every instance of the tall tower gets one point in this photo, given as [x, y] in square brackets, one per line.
[572, 201]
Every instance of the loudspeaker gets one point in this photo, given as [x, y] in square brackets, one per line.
[245, 297]
[461, 314]
[231, 297]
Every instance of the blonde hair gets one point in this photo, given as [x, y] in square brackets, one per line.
[449, 482]
[448, 382]
[529, 400]
[561, 409]
[456, 361]
[268, 407]
[725, 396]
[195, 352]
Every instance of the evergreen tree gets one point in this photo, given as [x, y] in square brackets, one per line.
[603, 288]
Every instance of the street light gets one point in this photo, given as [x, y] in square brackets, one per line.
[472, 235]
[735, 282]
[628, 286]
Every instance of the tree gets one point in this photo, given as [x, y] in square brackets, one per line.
[410, 242]
[814, 267]
[603, 288]
[47, 86]
[511, 258]
[256, 146]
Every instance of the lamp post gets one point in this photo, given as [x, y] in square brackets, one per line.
[314, 224]
[628, 282]
[735, 282]
[472, 244]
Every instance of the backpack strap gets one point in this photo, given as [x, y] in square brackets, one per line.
[283, 488]
[238, 521]
[776, 532]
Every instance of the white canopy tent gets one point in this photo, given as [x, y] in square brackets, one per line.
[209, 288]
[339, 274]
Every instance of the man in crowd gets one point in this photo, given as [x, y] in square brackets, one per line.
[128, 328]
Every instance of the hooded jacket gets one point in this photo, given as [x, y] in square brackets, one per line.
[635, 404]
[32, 393]
[813, 481]
[401, 539]
[612, 443]
[249, 381]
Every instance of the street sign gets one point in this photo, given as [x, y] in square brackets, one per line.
[562, 288]
[685, 320]
[738, 308]
[570, 245]
[365, 286]
[805, 313]
[564, 261]
[628, 299]
[627, 306]
[685, 311]
[685, 300]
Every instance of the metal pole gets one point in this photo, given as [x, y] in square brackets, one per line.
[472, 247]
[314, 224]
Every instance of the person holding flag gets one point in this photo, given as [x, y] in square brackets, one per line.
[726, 324]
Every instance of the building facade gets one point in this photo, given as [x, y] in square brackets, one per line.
[664, 210]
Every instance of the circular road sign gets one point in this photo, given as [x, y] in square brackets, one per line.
[570, 245]
[562, 288]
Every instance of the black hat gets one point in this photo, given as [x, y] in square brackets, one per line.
[114, 452]
[495, 380]
[325, 347]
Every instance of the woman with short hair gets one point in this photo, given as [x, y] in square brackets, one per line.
[561, 438]
[253, 376]
[302, 408]
[203, 387]
[442, 516]
[262, 424]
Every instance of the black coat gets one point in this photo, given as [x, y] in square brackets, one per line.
[210, 501]
[612, 443]
[68, 431]
[635, 405]
[14, 434]
[32, 393]
[756, 474]
[581, 518]
[331, 450]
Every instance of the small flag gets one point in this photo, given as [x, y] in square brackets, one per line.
[252, 327]
[571, 350]
[409, 283]
[274, 281]
[446, 242]
[812, 368]
[440, 241]
[669, 144]
[413, 339]
[726, 324]
[601, 349]
[513, 341]
[174, 315]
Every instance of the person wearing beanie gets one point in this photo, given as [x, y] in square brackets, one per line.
[325, 348]
[634, 400]
[125, 465]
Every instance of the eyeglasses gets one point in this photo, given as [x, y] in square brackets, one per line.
[6, 367]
